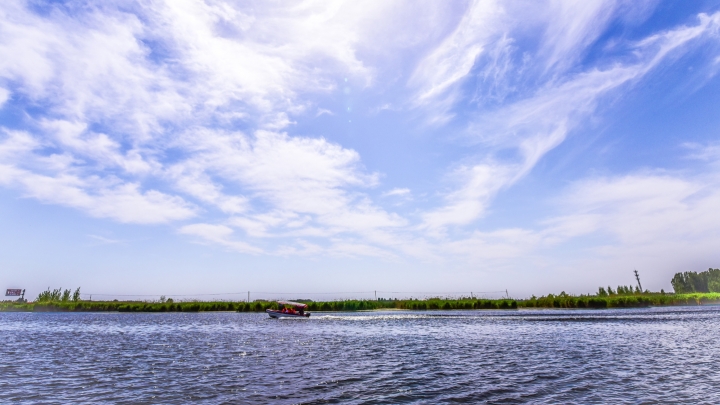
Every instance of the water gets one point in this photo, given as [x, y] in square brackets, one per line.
[634, 356]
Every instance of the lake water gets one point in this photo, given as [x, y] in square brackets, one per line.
[634, 356]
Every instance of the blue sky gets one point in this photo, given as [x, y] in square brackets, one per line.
[185, 148]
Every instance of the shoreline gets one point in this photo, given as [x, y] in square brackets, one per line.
[550, 301]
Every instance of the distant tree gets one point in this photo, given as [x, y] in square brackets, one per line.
[681, 283]
[43, 296]
[691, 281]
[58, 295]
[610, 291]
[713, 280]
[699, 281]
[602, 292]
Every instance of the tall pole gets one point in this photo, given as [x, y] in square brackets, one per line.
[506, 294]
[248, 297]
[375, 295]
[637, 277]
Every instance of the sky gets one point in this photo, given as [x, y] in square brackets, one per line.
[314, 149]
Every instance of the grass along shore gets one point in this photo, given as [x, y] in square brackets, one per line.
[550, 301]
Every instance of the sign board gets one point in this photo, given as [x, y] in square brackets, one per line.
[13, 292]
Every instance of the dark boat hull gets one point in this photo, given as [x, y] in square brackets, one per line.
[277, 314]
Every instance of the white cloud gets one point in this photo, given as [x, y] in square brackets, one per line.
[136, 109]
[4, 96]
[218, 234]
[323, 111]
[96, 70]
[123, 203]
[573, 26]
[438, 75]
[642, 208]
[104, 240]
[398, 192]
[709, 152]
[54, 179]
[480, 183]
[537, 124]
[657, 222]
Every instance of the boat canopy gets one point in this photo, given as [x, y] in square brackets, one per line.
[296, 305]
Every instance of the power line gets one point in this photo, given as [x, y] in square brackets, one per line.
[298, 293]
[155, 295]
[442, 292]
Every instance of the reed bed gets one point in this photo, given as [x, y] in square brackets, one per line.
[550, 301]
[620, 301]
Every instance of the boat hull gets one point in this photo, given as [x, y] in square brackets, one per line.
[277, 314]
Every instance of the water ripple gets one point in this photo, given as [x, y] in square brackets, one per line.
[634, 356]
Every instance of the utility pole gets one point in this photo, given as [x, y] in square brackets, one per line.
[375, 295]
[506, 294]
[637, 277]
[248, 297]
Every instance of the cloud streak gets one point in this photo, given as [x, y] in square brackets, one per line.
[533, 126]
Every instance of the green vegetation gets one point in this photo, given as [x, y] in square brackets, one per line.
[619, 300]
[58, 295]
[693, 282]
[621, 290]
[135, 306]
[691, 288]
[561, 300]
[258, 306]
[432, 303]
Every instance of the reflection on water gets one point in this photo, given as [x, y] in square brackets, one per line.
[666, 355]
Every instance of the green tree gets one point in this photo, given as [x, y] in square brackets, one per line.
[691, 281]
[681, 283]
[76, 295]
[713, 280]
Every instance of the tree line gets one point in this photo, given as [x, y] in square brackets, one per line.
[692, 282]
[621, 290]
[58, 295]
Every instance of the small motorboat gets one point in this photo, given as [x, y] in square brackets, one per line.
[289, 309]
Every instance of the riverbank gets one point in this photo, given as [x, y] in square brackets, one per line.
[549, 301]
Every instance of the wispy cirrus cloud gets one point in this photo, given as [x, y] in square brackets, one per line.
[536, 124]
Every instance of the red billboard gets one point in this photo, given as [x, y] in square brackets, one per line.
[13, 292]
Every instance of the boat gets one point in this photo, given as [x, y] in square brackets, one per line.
[289, 309]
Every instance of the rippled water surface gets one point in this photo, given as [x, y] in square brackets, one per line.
[656, 355]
